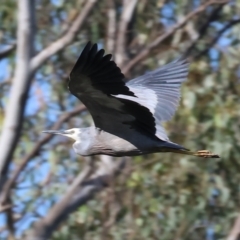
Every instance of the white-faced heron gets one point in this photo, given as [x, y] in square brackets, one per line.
[127, 116]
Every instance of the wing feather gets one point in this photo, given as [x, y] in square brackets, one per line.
[162, 85]
[141, 104]
[165, 84]
[94, 79]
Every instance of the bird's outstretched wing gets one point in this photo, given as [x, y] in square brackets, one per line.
[159, 91]
[95, 79]
[141, 104]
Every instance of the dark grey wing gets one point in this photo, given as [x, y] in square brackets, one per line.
[159, 91]
[94, 80]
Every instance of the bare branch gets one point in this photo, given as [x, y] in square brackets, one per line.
[111, 29]
[5, 207]
[83, 189]
[6, 51]
[4, 83]
[10, 183]
[217, 37]
[67, 39]
[144, 53]
[203, 29]
[18, 95]
[3, 229]
[235, 231]
[128, 8]
[45, 227]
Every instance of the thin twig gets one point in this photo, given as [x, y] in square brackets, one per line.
[7, 50]
[5, 207]
[203, 29]
[10, 183]
[127, 13]
[111, 28]
[217, 37]
[3, 229]
[6, 82]
[144, 53]
[64, 41]
[88, 183]
[235, 231]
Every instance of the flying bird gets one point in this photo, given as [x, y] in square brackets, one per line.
[127, 116]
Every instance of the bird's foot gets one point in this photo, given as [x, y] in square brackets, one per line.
[206, 154]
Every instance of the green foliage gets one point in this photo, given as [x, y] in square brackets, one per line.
[166, 196]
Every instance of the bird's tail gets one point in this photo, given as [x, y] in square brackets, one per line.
[200, 153]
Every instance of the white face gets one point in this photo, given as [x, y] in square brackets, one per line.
[73, 133]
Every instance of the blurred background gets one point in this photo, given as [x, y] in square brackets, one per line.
[157, 196]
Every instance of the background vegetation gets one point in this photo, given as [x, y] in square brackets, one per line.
[158, 196]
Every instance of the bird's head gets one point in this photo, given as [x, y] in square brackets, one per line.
[73, 133]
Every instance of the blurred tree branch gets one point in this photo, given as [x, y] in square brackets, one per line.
[127, 13]
[84, 187]
[111, 29]
[203, 29]
[7, 50]
[19, 90]
[18, 96]
[64, 41]
[92, 180]
[5, 207]
[20, 86]
[235, 231]
[144, 53]
[44, 227]
[89, 182]
[217, 37]
[35, 151]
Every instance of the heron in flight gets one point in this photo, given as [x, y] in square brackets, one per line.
[127, 116]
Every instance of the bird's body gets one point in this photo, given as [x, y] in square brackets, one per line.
[127, 116]
[94, 141]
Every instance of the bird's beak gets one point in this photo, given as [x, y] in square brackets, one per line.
[54, 132]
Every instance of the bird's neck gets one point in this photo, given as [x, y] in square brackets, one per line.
[87, 140]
